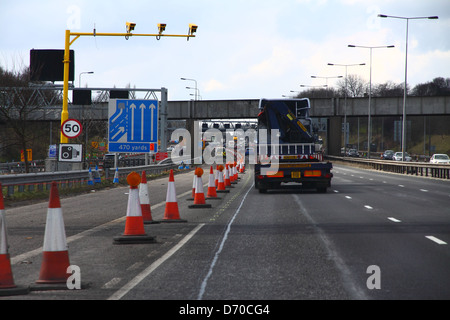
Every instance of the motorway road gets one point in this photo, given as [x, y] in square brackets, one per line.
[373, 235]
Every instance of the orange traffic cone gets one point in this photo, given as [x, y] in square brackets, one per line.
[199, 199]
[55, 256]
[241, 167]
[221, 184]
[6, 277]
[134, 223]
[212, 193]
[144, 199]
[227, 176]
[171, 213]
[216, 181]
[194, 184]
[7, 285]
[235, 172]
[230, 173]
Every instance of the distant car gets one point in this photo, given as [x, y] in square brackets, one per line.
[440, 158]
[352, 153]
[387, 155]
[398, 156]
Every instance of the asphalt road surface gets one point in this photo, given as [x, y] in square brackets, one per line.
[373, 235]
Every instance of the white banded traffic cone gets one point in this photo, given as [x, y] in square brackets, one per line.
[221, 184]
[194, 185]
[212, 193]
[171, 212]
[134, 223]
[55, 255]
[216, 181]
[199, 198]
[145, 200]
[7, 285]
[227, 176]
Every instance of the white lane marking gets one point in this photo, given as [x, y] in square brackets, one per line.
[424, 190]
[219, 250]
[335, 191]
[111, 283]
[393, 219]
[401, 186]
[141, 276]
[135, 266]
[438, 241]
[368, 207]
[353, 285]
[348, 197]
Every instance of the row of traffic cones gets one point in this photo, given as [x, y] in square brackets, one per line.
[55, 257]
[139, 209]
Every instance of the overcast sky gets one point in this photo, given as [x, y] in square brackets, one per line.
[243, 49]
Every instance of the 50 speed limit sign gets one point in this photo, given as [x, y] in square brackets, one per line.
[71, 128]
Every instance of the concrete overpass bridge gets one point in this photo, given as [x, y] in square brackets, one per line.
[331, 110]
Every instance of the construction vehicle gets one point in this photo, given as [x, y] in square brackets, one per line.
[296, 156]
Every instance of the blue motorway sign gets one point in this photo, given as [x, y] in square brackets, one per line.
[133, 125]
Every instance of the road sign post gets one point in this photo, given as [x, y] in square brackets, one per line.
[132, 125]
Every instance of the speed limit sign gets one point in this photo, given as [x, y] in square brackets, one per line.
[71, 128]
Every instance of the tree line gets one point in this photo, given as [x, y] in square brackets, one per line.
[355, 86]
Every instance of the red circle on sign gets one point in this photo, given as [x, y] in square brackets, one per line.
[71, 128]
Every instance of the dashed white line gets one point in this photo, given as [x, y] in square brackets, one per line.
[368, 207]
[111, 283]
[348, 197]
[401, 186]
[424, 190]
[438, 241]
[393, 219]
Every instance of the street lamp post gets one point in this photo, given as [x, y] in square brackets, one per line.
[186, 79]
[406, 75]
[79, 77]
[345, 99]
[326, 80]
[197, 92]
[369, 133]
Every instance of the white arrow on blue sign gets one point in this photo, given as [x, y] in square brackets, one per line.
[133, 125]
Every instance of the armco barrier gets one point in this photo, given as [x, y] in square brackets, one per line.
[42, 180]
[423, 169]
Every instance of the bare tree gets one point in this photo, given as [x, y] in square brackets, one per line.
[356, 86]
[18, 104]
[388, 89]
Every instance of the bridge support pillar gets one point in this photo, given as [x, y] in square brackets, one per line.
[334, 136]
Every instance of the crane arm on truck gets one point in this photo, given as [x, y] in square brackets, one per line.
[277, 113]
